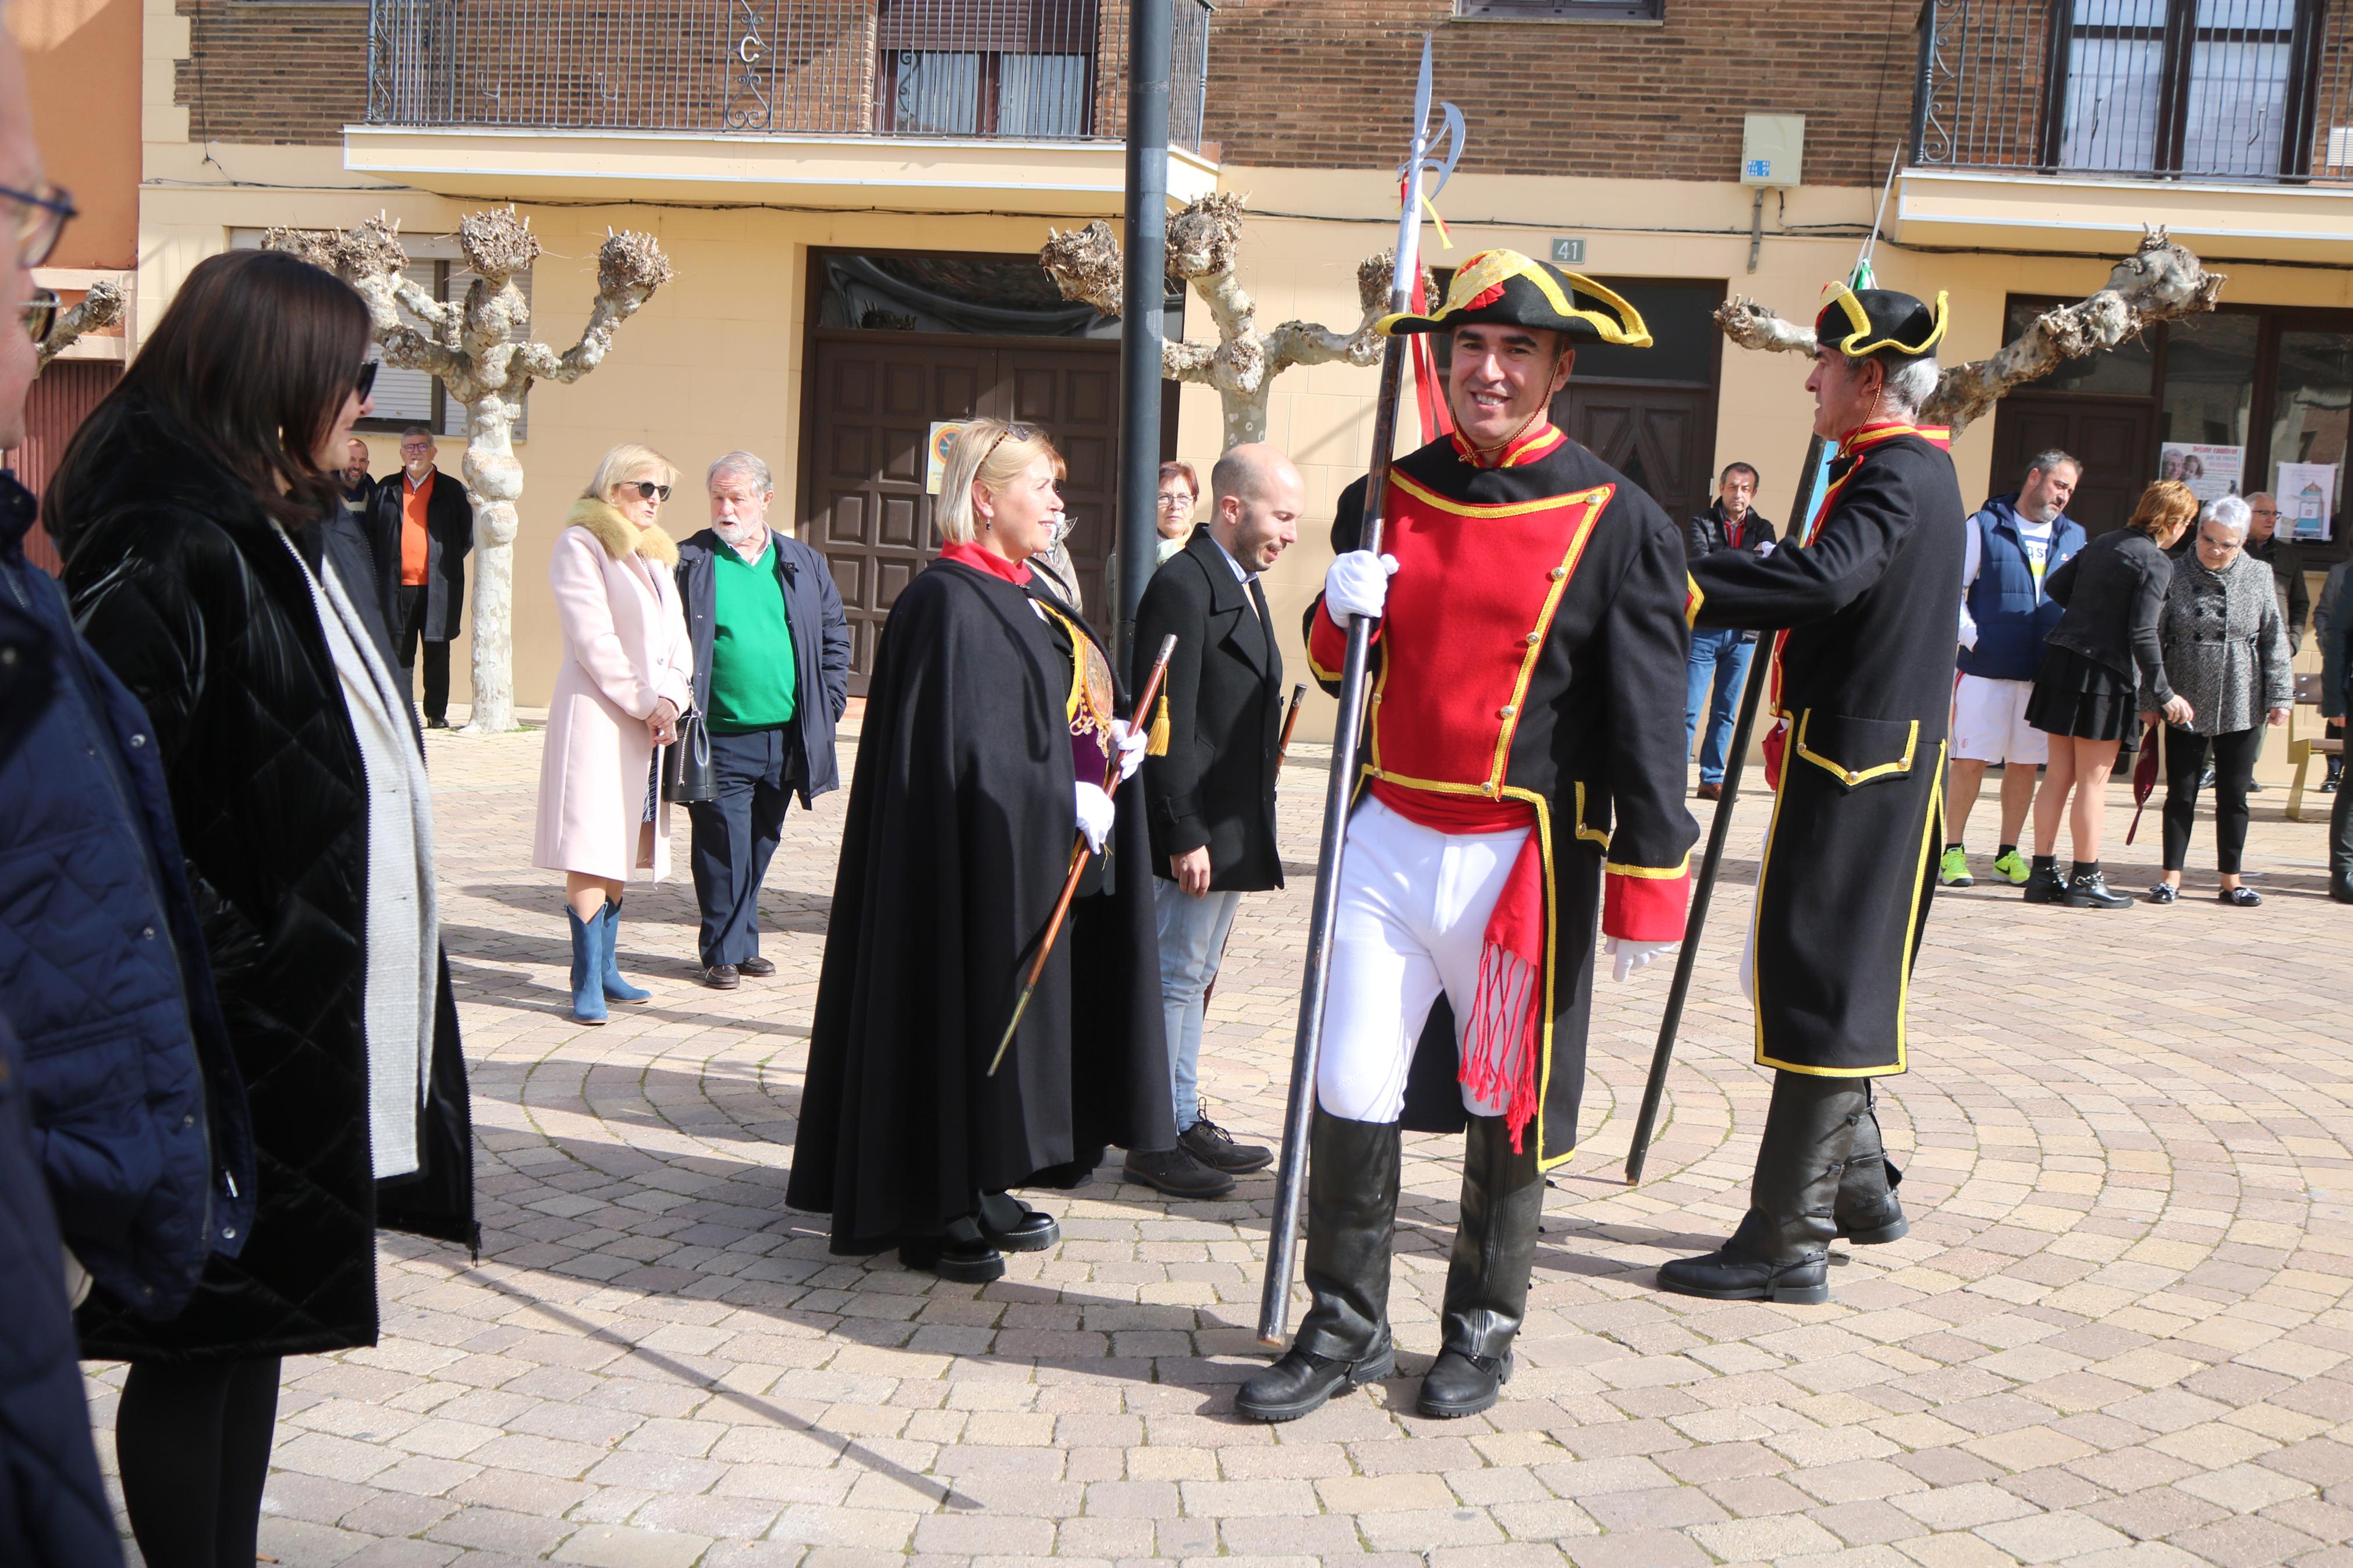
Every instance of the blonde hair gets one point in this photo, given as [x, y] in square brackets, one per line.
[629, 460]
[2163, 507]
[986, 452]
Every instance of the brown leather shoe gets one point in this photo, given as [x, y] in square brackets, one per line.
[1711, 792]
[755, 966]
[722, 977]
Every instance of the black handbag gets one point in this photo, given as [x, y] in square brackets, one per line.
[686, 763]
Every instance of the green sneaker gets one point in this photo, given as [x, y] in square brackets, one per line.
[2014, 867]
[1953, 871]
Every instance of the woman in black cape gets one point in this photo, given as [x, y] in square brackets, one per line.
[988, 733]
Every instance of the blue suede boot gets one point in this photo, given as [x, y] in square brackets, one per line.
[588, 962]
[616, 988]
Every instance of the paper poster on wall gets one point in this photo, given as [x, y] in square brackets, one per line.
[2307, 498]
[2209, 472]
[936, 452]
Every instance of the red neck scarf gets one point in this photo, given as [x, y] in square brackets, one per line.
[1014, 572]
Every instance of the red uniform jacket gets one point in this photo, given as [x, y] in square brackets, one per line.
[1529, 670]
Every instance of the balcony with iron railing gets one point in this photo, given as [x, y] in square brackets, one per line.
[900, 92]
[2083, 116]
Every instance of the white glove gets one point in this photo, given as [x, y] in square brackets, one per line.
[1764, 548]
[1358, 584]
[1131, 744]
[1095, 811]
[1629, 956]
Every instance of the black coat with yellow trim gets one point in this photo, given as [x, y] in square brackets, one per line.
[1867, 687]
[1595, 744]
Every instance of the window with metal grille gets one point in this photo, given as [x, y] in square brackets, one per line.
[987, 67]
[2217, 88]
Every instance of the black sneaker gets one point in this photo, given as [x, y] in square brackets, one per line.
[2045, 886]
[1175, 1172]
[2090, 891]
[1215, 1147]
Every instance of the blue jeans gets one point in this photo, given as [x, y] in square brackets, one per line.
[1719, 659]
[1192, 939]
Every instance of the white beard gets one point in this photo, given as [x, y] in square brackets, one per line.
[736, 535]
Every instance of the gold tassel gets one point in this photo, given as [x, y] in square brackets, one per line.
[1157, 743]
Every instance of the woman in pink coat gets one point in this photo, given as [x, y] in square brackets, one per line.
[627, 674]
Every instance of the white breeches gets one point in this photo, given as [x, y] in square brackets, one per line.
[1411, 917]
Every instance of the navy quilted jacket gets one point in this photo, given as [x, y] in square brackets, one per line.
[53, 1511]
[137, 1109]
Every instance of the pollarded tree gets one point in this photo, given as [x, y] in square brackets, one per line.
[480, 350]
[101, 306]
[2161, 281]
[1203, 241]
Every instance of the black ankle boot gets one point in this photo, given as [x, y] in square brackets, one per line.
[1867, 1212]
[2340, 846]
[1782, 1251]
[2089, 890]
[1487, 1272]
[1343, 1341]
[2045, 885]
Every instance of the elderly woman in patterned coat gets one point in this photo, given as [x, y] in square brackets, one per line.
[2226, 651]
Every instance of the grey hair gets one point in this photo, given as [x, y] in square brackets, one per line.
[1911, 380]
[744, 465]
[2048, 461]
[2231, 514]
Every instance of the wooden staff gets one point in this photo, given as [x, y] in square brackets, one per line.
[1281, 749]
[1081, 853]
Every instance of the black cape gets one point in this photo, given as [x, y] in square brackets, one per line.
[957, 846]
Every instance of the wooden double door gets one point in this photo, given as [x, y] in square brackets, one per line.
[1659, 434]
[874, 397]
[2114, 438]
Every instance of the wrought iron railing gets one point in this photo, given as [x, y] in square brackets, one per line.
[2246, 90]
[1021, 69]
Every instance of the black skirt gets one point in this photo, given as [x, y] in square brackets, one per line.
[2080, 696]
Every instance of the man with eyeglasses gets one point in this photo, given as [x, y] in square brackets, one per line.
[2287, 562]
[422, 527]
[50, 792]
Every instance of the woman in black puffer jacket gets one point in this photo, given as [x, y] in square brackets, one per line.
[2103, 651]
[196, 512]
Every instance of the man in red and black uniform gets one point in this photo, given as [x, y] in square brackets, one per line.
[1862, 682]
[1528, 684]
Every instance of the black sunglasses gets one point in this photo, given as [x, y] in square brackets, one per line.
[366, 382]
[40, 217]
[42, 314]
[646, 489]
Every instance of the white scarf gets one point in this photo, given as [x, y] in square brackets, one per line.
[403, 936]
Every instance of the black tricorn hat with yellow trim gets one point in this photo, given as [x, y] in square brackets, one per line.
[1859, 321]
[1503, 288]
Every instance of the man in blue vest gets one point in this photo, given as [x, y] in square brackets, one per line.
[2013, 545]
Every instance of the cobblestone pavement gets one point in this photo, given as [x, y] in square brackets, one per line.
[2117, 1333]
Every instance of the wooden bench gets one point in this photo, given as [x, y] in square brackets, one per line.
[2313, 743]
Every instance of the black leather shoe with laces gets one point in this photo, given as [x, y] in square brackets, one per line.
[755, 966]
[1460, 1384]
[1302, 1380]
[1215, 1147]
[1175, 1172]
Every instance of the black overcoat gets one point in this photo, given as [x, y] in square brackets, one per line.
[181, 586]
[1214, 788]
[1865, 684]
[955, 851]
[449, 535]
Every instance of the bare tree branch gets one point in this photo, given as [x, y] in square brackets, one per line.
[101, 307]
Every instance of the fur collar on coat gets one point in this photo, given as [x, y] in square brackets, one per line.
[620, 536]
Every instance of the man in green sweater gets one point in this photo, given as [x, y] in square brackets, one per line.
[771, 678]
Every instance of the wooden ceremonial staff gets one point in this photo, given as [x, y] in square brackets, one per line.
[1291, 1174]
[1081, 853]
[1703, 886]
[1281, 749]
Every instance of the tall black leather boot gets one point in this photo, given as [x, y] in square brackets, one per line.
[1782, 1251]
[2340, 846]
[1487, 1275]
[1343, 1341]
[1867, 1210]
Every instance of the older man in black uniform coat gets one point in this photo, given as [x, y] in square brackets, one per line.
[1862, 687]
